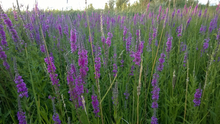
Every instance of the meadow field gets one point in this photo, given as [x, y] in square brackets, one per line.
[159, 66]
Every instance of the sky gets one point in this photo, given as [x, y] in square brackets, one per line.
[62, 4]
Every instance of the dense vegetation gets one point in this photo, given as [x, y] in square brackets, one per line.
[157, 66]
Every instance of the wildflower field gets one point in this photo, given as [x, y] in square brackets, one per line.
[159, 66]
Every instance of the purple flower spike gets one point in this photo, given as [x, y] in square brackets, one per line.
[154, 120]
[161, 61]
[42, 49]
[21, 117]
[3, 37]
[169, 44]
[51, 69]
[21, 86]
[206, 44]
[98, 63]
[124, 33]
[73, 39]
[56, 119]
[197, 97]
[115, 68]
[83, 62]
[108, 40]
[95, 105]
[128, 43]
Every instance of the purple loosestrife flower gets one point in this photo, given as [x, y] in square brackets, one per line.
[21, 86]
[79, 90]
[60, 30]
[103, 39]
[3, 56]
[137, 58]
[126, 94]
[3, 37]
[154, 120]
[128, 43]
[21, 117]
[169, 44]
[70, 74]
[51, 69]
[56, 119]
[73, 39]
[189, 20]
[83, 62]
[95, 105]
[206, 44]
[122, 62]
[9, 24]
[42, 49]
[197, 97]
[108, 40]
[218, 35]
[200, 13]
[185, 58]
[98, 63]
[155, 91]
[154, 33]
[155, 80]
[137, 55]
[161, 61]
[137, 34]
[132, 70]
[148, 5]
[124, 33]
[202, 30]
[115, 68]
[15, 15]
[179, 31]
[155, 96]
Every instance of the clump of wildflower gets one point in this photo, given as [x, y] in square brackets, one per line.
[95, 105]
[83, 62]
[161, 61]
[197, 97]
[184, 60]
[73, 39]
